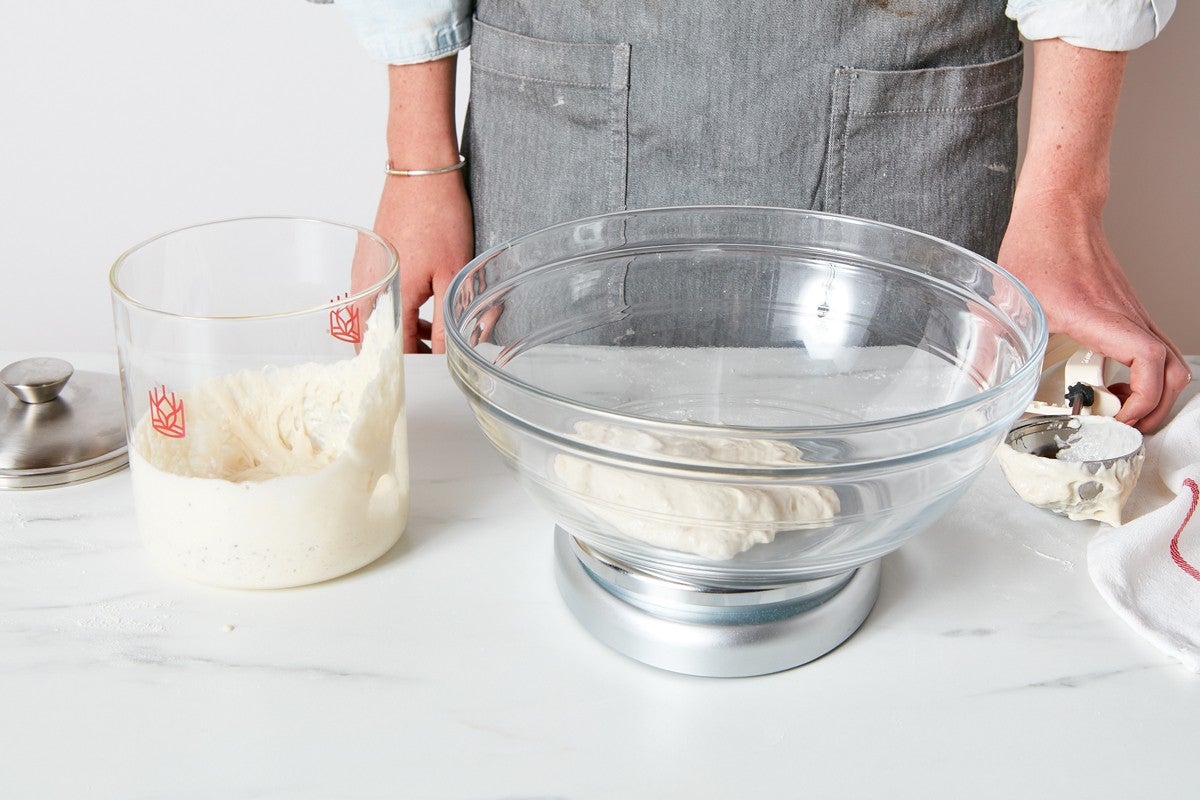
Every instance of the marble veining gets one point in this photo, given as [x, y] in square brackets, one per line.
[1085, 679]
[155, 658]
[959, 632]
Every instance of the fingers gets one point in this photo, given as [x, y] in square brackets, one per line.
[1157, 374]
[1175, 350]
[1147, 373]
[1176, 378]
[410, 323]
[488, 322]
[424, 331]
[437, 334]
[415, 328]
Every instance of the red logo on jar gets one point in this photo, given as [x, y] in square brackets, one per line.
[166, 413]
[344, 322]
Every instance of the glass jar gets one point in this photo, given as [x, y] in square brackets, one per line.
[263, 386]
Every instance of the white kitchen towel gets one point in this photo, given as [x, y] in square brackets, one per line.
[1148, 569]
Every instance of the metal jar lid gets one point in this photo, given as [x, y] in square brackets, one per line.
[58, 426]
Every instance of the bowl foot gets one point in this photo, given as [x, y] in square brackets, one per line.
[710, 632]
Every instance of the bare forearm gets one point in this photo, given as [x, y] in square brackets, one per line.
[427, 217]
[421, 131]
[1073, 109]
[1055, 240]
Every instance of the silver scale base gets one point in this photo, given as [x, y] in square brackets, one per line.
[716, 633]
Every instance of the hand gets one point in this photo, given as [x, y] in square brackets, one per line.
[1055, 243]
[427, 217]
[428, 220]
[485, 323]
[1056, 246]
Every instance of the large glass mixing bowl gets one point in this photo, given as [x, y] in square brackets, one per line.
[742, 397]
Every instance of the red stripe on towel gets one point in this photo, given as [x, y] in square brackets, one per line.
[1175, 554]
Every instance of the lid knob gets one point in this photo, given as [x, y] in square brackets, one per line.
[37, 380]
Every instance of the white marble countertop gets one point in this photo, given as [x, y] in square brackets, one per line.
[990, 666]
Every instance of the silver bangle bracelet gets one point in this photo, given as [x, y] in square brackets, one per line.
[415, 173]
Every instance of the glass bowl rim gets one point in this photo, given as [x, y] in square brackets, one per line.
[454, 337]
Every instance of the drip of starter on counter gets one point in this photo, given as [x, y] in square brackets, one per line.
[1090, 476]
[287, 475]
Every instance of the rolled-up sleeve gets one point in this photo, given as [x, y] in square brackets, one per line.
[1095, 24]
[409, 31]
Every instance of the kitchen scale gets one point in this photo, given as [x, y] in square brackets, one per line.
[706, 630]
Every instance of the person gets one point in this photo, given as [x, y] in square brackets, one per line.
[902, 111]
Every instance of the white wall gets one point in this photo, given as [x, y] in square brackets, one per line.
[125, 118]
[1153, 215]
[122, 119]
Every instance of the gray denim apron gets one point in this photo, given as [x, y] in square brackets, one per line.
[902, 111]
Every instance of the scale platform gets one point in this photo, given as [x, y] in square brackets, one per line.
[706, 631]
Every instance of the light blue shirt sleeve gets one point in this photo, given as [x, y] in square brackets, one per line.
[1095, 24]
[410, 31]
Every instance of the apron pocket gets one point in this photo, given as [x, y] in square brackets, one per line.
[548, 123]
[930, 149]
